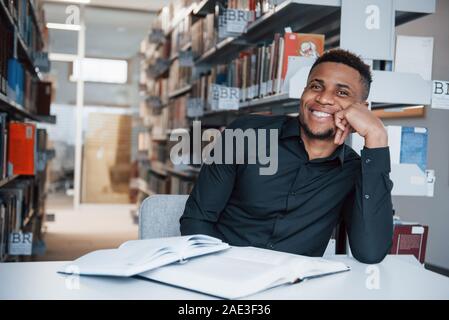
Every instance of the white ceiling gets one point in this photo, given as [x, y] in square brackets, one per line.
[110, 33]
[145, 5]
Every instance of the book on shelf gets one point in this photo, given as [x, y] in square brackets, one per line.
[242, 271]
[137, 256]
[4, 172]
[6, 52]
[22, 148]
[7, 222]
[21, 193]
[301, 45]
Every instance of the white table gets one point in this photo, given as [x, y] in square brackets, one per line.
[399, 277]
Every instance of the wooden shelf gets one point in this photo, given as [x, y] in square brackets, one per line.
[180, 92]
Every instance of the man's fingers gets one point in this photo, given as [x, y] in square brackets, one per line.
[338, 136]
[345, 134]
[340, 121]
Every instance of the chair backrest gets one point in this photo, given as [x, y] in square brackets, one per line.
[159, 216]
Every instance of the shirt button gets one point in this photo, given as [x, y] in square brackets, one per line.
[368, 160]
[292, 193]
[270, 245]
[366, 196]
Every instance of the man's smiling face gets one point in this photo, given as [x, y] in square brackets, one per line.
[331, 87]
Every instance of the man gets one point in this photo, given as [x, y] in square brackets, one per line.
[319, 182]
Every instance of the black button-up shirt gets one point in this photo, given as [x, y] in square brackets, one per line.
[296, 209]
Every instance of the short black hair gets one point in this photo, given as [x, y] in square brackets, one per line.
[351, 60]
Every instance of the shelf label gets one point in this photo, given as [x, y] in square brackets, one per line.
[20, 244]
[237, 20]
[440, 94]
[224, 98]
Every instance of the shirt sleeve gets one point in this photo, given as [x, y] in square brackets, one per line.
[208, 199]
[210, 194]
[368, 210]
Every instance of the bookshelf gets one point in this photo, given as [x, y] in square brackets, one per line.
[180, 92]
[321, 17]
[22, 49]
[23, 146]
[7, 180]
[17, 112]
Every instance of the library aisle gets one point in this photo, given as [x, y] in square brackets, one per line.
[291, 129]
[73, 233]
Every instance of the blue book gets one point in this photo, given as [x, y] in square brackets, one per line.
[15, 80]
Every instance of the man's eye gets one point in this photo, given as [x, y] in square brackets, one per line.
[342, 93]
[314, 86]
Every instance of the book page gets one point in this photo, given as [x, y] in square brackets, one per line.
[137, 256]
[242, 271]
[220, 275]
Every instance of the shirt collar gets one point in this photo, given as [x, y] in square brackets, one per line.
[291, 128]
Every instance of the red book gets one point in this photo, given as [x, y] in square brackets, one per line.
[410, 239]
[301, 44]
[22, 147]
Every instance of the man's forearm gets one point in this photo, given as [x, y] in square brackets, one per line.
[370, 226]
[194, 226]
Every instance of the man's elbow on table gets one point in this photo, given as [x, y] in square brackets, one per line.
[371, 255]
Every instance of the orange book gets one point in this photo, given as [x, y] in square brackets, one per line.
[21, 147]
[301, 45]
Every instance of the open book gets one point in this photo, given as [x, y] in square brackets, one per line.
[137, 256]
[242, 271]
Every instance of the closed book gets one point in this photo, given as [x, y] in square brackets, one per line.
[410, 239]
[301, 45]
[22, 148]
[43, 98]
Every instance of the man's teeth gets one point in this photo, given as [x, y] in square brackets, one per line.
[321, 114]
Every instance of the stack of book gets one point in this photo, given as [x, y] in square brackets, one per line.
[178, 112]
[260, 71]
[17, 80]
[6, 53]
[20, 11]
[16, 208]
[204, 35]
[179, 77]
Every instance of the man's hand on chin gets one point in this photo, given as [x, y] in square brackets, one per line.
[358, 118]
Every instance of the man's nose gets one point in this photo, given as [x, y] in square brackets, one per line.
[325, 97]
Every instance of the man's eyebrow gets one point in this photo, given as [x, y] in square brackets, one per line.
[341, 85]
[317, 80]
